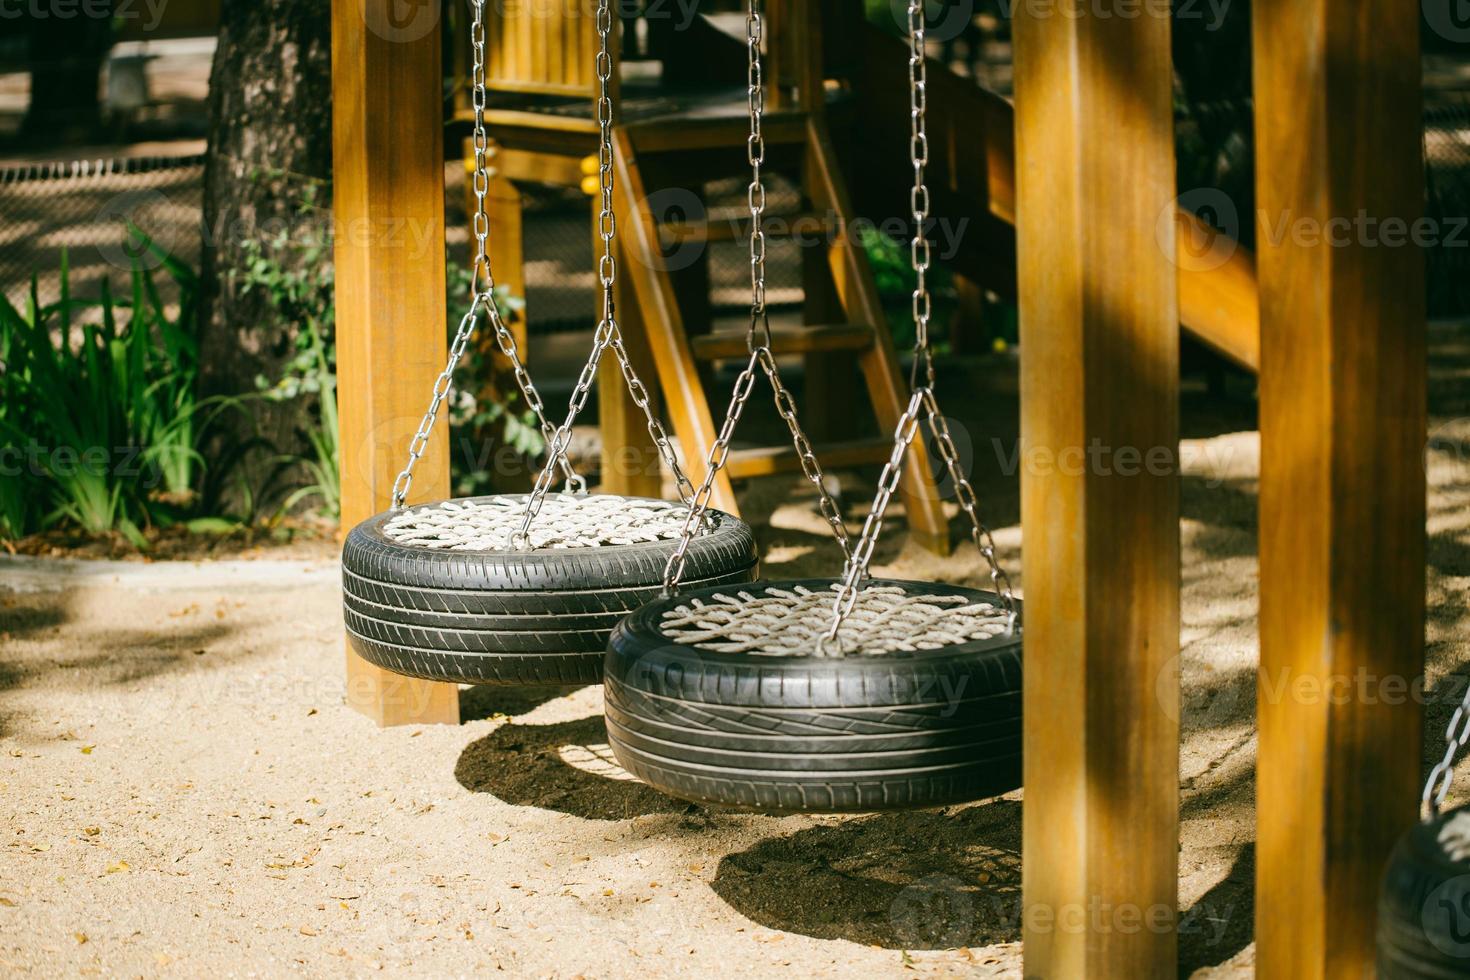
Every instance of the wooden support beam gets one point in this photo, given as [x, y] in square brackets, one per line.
[388, 179]
[630, 460]
[1099, 493]
[693, 423]
[1343, 394]
[972, 164]
[857, 290]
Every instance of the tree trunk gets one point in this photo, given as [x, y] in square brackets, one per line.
[265, 182]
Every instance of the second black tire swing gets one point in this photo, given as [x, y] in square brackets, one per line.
[847, 694]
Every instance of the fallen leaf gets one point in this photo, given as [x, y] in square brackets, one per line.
[119, 866]
[91, 831]
[80, 937]
[8, 903]
[308, 931]
[87, 749]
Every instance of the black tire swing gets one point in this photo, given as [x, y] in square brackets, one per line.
[474, 591]
[846, 694]
[1424, 904]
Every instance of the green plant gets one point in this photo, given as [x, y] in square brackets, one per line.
[98, 412]
[298, 281]
[487, 415]
[300, 290]
[896, 281]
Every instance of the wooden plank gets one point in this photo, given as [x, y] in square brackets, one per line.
[539, 167]
[777, 224]
[825, 409]
[1342, 511]
[713, 132]
[786, 340]
[794, 69]
[388, 173]
[630, 460]
[1099, 327]
[541, 47]
[858, 292]
[972, 156]
[748, 463]
[678, 376]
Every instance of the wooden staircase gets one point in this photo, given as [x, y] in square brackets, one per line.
[654, 320]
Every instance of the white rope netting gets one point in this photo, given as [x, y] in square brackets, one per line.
[782, 622]
[566, 521]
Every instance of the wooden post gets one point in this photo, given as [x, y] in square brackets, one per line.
[388, 161]
[1099, 492]
[1343, 394]
[630, 460]
[664, 324]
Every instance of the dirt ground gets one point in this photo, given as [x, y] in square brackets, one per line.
[186, 794]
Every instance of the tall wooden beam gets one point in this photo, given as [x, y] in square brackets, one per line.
[630, 462]
[388, 186]
[1343, 378]
[1099, 491]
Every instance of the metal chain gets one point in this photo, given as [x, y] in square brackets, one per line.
[608, 333]
[757, 335]
[1437, 787]
[481, 296]
[923, 400]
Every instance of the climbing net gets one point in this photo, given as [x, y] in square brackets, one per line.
[572, 521]
[788, 622]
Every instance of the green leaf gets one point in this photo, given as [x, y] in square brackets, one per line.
[130, 531]
[212, 525]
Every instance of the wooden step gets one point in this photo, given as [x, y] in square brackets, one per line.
[786, 224]
[767, 460]
[784, 340]
[696, 131]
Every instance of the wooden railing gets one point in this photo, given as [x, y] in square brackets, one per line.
[973, 164]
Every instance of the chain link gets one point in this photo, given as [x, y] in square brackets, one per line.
[923, 401]
[1437, 787]
[608, 333]
[482, 289]
[757, 336]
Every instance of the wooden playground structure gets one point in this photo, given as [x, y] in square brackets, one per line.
[1083, 169]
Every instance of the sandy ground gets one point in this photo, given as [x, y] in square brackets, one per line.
[186, 794]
